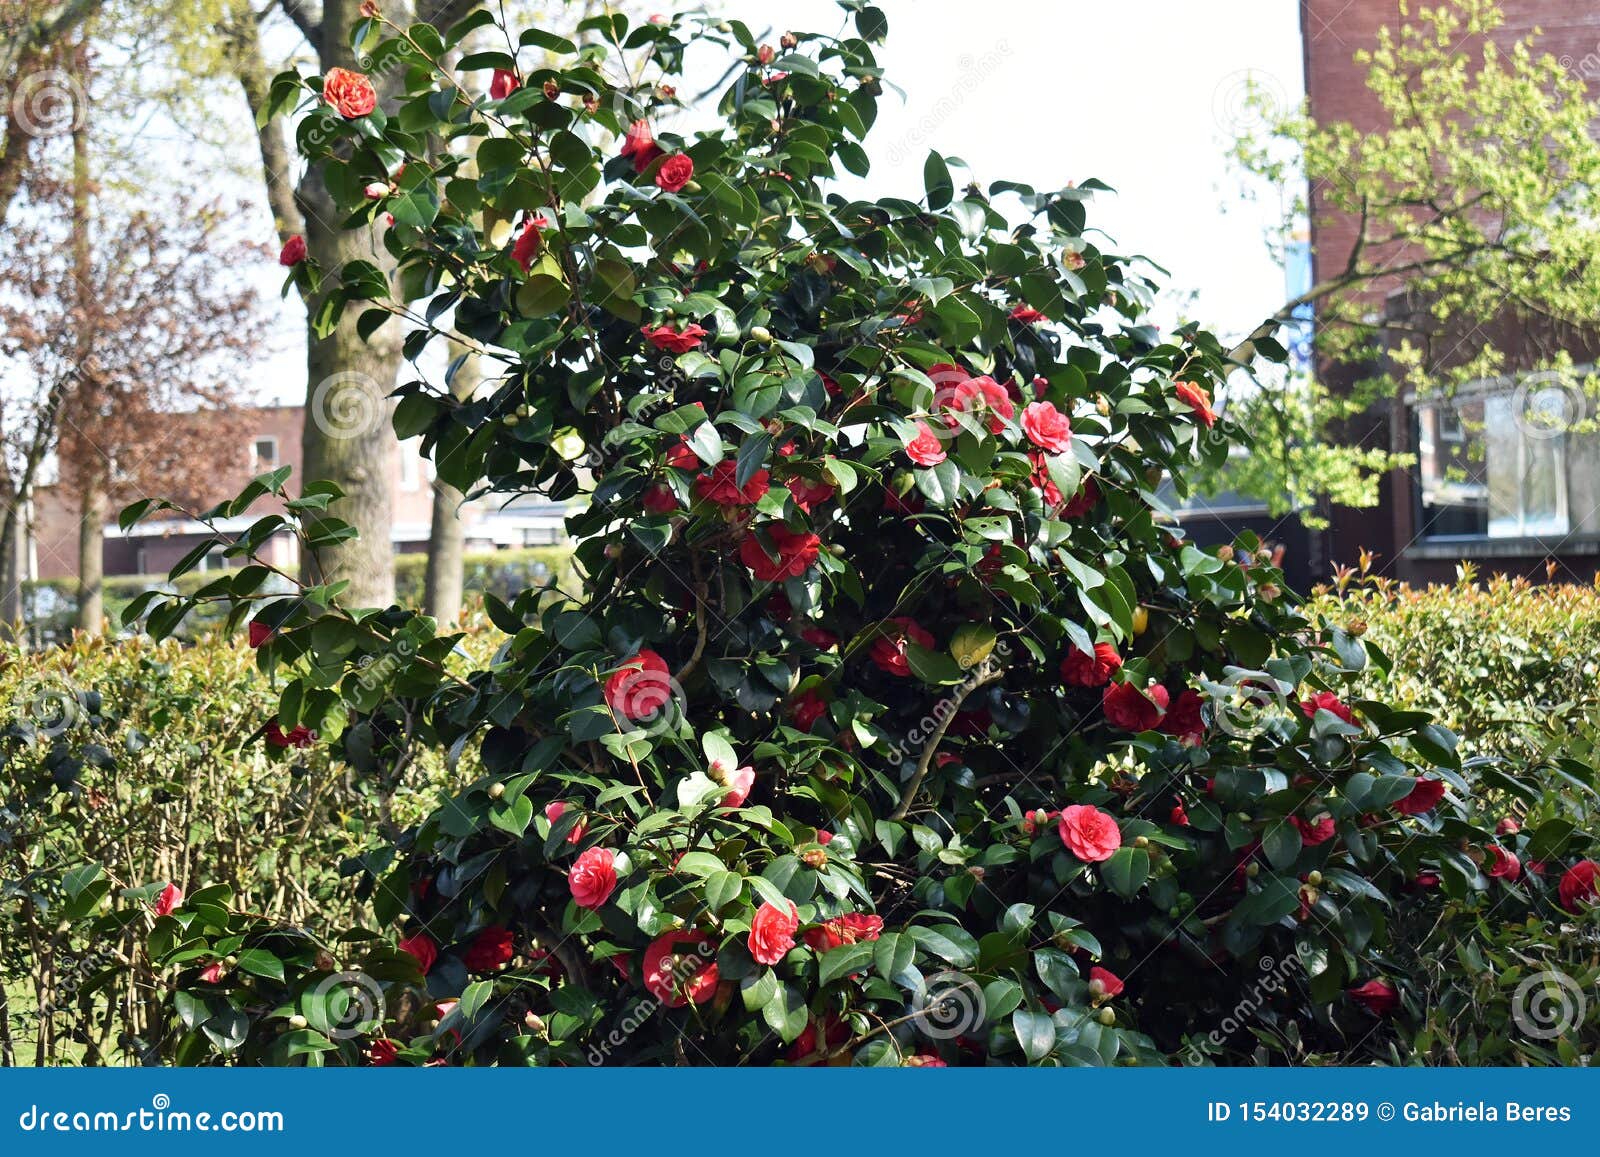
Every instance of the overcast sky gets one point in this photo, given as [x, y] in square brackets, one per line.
[1143, 94]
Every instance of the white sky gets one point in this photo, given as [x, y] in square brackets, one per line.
[1146, 95]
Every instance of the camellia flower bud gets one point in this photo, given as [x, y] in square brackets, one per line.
[1356, 628]
[496, 790]
[298, 1022]
[1108, 1016]
[815, 858]
[377, 189]
[788, 40]
[551, 90]
[761, 334]
[534, 1022]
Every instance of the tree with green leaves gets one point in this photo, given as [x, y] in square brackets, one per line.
[1474, 249]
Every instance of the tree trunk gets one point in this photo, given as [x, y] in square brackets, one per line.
[91, 557]
[442, 580]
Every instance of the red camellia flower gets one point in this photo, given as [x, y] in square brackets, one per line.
[489, 949]
[299, 737]
[772, 932]
[681, 966]
[1089, 833]
[1578, 887]
[558, 808]
[1131, 709]
[819, 638]
[212, 973]
[835, 1032]
[422, 948]
[1083, 501]
[851, 928]
[659, 499]
[797, 551]
[259, 634]
[971, 395]
[382, 1052]
[639, 146]
[888, 650]
[806, 708]
[168, 899]
[1047, 427]
[350, 93]
[1026, 314]
[1197, 400]
[1424, 797]
[640, 687]
[293, 251]
[503, 84]
[1178, 815]
[1327, 701]
[675, 172]
[683, 457]
[1507, 827]
[721, 485]
[593, 877]
[1110, 983]
[1184, 719]
[1314, 832]
[677, 341]
[1079, 669]
[529, 242]
[925, 449]
[739, 783]
[1378, 997]
[808, 495]
[1506, 866]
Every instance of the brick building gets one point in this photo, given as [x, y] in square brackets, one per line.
[273, 440]
[1493, 482]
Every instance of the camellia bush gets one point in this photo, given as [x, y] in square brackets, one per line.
[893, 723]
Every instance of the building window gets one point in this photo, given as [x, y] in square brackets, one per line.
[263, 454]
[1504, 461]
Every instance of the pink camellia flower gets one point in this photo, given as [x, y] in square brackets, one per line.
[1047, 427]
[1378, 997]
[350, 93]
[639, 145]
[640, 687]
[851, 928]
[772, 932]
[503, 84]
[1506, 866]
[677, 341]
[797, 551]
[168, 899]
[529, 242]
[422, 948]
[925, 449]
[923, 1061]
[293, 251]
[1089, 833]
[1079, 669]
[675, 172]
[1196, 398]
[490, 948]
[1508, 826]
[739, 782]
[376, 190]
[1425, 796]
[825, 838]
[593, 877]
[1184, 720]
[888, 650]
[1026, 314]
[1578, 887]
[681, 966]
[558, 808]
[1329, 702]
[1110, 983]
[212, 973]
[1133, 709]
